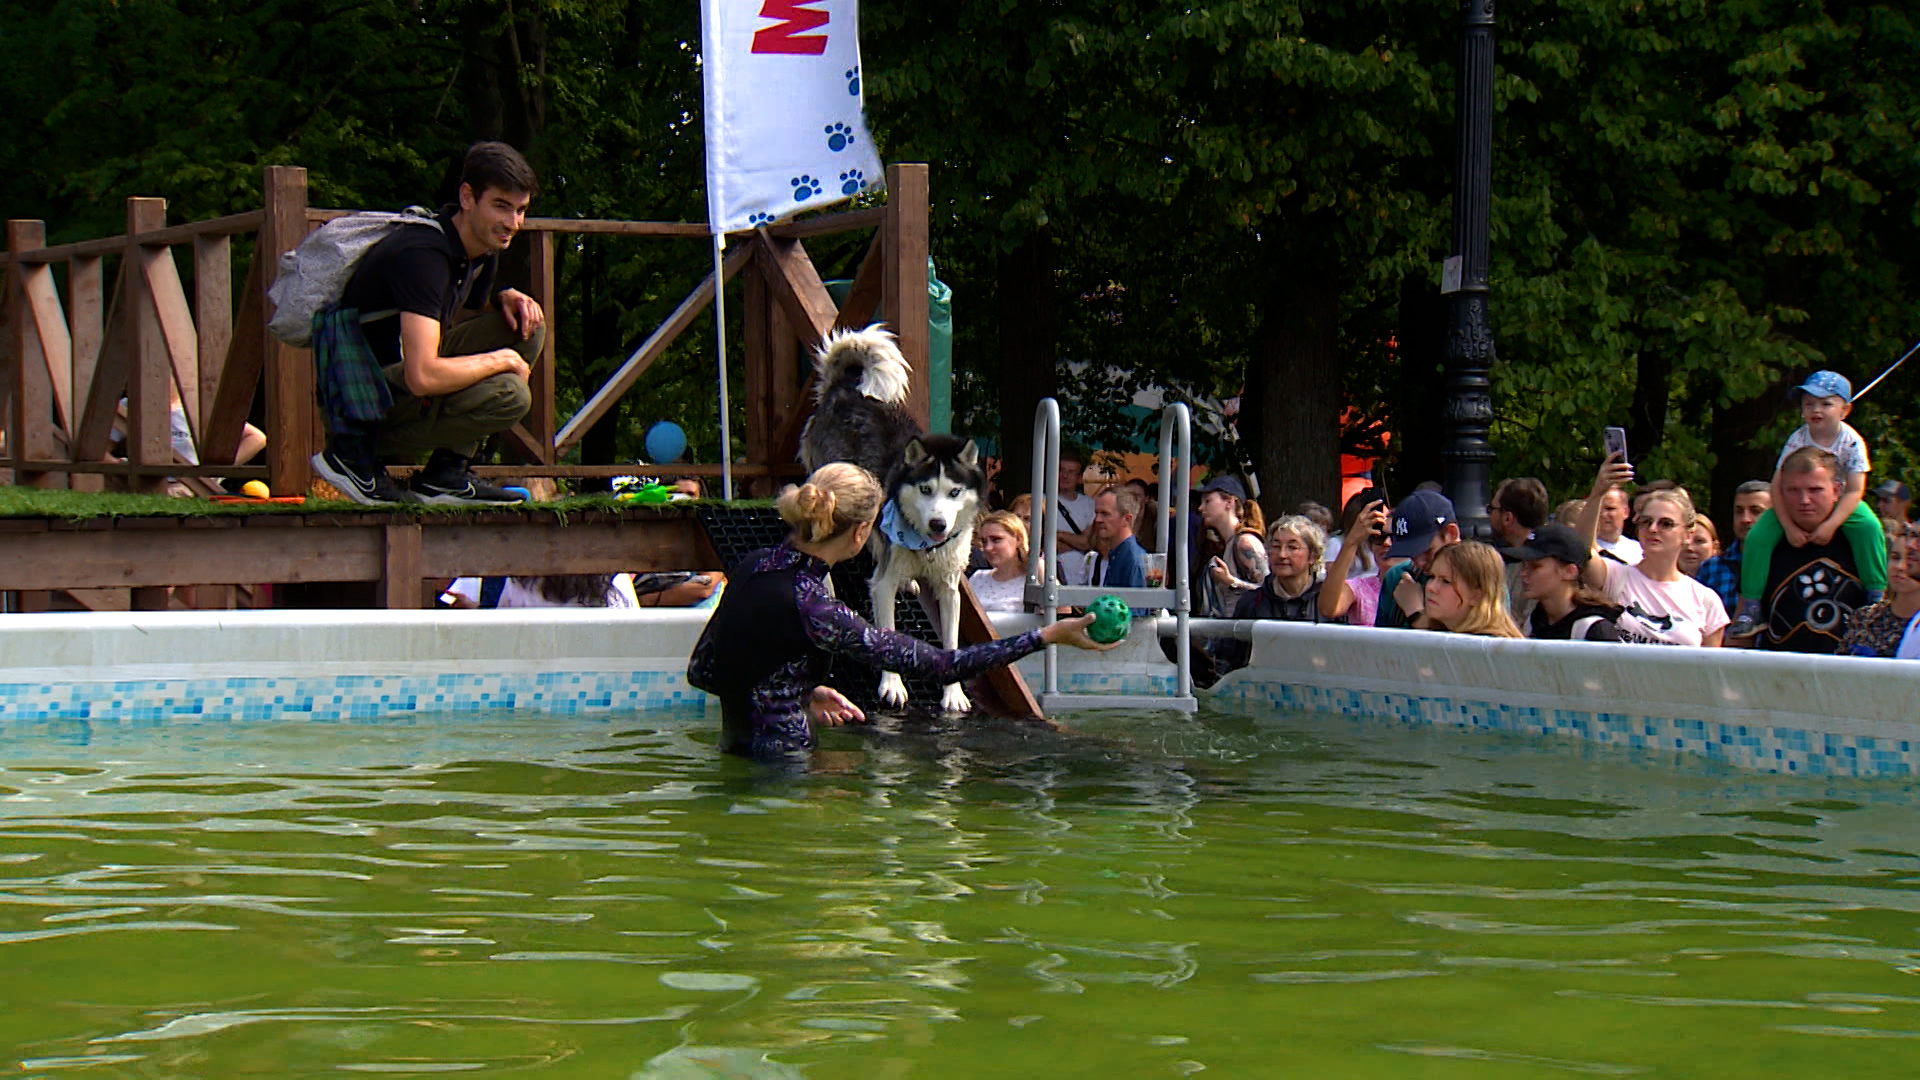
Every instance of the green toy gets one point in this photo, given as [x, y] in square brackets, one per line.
[653, 493]
[1111, 620]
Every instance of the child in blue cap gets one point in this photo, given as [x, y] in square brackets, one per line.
[1826, 398]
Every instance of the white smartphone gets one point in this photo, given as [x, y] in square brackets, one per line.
[1616, 442]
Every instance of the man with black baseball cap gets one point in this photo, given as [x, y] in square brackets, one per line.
[1564, 610]
[1892, 498]
[1422, 524]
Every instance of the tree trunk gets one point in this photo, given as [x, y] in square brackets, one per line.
[1647, 416]
[1026, 317]
[1734, 462]
[1290, 413]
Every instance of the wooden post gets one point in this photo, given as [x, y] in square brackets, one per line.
[213, 319]
[540, 421]
[151, 598]
[756, 343]
[32, 417]
[291, 434]
[402, 569]
[904, 285]
[150, 375]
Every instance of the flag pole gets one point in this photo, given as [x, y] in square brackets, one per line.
[720, 331]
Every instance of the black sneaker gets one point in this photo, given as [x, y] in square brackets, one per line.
[465, 489]
[377, 489]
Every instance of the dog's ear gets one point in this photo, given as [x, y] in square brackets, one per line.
[915, 452]
[969, 454]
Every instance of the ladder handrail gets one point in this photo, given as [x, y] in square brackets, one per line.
[1176, 432]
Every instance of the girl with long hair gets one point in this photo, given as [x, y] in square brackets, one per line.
[1466, 591]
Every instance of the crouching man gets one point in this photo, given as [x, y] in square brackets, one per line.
[456, 349]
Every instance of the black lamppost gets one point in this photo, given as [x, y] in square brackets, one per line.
[1470, 336]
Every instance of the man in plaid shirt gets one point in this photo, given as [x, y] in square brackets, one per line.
[1722, 572]
[435, 355]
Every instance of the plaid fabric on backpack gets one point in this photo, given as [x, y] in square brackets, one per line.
[352, 386]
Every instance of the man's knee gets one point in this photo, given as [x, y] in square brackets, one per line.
[504, 400]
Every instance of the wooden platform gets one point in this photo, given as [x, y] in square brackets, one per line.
[400, 550]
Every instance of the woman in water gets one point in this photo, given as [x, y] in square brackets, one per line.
[777, 629]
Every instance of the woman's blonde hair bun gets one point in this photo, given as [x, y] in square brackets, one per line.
[835, 498]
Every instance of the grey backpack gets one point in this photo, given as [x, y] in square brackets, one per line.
[315, 274]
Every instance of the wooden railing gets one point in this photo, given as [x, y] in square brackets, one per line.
[68, 364]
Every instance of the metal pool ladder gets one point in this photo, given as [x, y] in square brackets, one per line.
[1046, 592]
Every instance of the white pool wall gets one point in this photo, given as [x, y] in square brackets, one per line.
[1823, 715]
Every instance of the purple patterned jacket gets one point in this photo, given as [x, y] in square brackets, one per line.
[774, 636]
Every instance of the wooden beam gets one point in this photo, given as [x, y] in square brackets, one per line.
[56, 341]
[650, 350]
[756, 320]
[213, 317]
[795, 286]
[831, 223]
[239, 378]
[87, 304]
[540, 418]
[149, 373]
[32, 432]
[231, 225]
[478, 550]
[904, 283]
[109, 376]
[291, 434]
[169, 298]
[1007, 683]
[176, 467]
[401, 573]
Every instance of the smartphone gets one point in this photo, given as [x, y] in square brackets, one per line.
[1617, 442]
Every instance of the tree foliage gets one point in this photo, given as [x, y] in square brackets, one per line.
[1695, 202]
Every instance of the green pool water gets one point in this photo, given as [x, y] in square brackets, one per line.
[1143, 896]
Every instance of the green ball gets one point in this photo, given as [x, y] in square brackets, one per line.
[1111, 620]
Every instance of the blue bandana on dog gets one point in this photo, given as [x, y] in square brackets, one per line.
[901, 533]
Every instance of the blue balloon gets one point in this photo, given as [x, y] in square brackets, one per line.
[665, 442]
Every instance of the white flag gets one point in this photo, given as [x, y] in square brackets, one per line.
[785, 125]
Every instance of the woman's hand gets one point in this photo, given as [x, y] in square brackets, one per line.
[1613, 473]
[1411, 596]
[830, 708]
[1074, 632]
[1217, 569]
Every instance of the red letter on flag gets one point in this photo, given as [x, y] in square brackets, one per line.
[795, 19]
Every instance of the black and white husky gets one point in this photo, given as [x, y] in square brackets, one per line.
[934, 484]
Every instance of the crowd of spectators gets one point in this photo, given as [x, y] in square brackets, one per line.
[1836, 568]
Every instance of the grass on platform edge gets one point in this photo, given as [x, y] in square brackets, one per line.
[21, 502]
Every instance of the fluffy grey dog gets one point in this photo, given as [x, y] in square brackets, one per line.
[862, 413]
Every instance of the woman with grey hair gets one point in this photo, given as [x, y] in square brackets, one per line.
[1297, 567]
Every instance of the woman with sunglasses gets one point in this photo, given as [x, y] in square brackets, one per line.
[1663, 606]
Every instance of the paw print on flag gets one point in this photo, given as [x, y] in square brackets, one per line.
[759, 218]
[804, 187]
[853, 80]
[852, 181]
[839, 137]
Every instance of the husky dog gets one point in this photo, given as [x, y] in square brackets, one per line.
[861, 415]
[926, 531]
[934, 484]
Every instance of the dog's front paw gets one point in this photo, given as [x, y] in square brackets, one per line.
[893, 689]
[954, 700]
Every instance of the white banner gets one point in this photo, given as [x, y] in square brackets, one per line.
[785, 125]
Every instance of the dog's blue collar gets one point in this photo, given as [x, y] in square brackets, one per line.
[900, 533]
